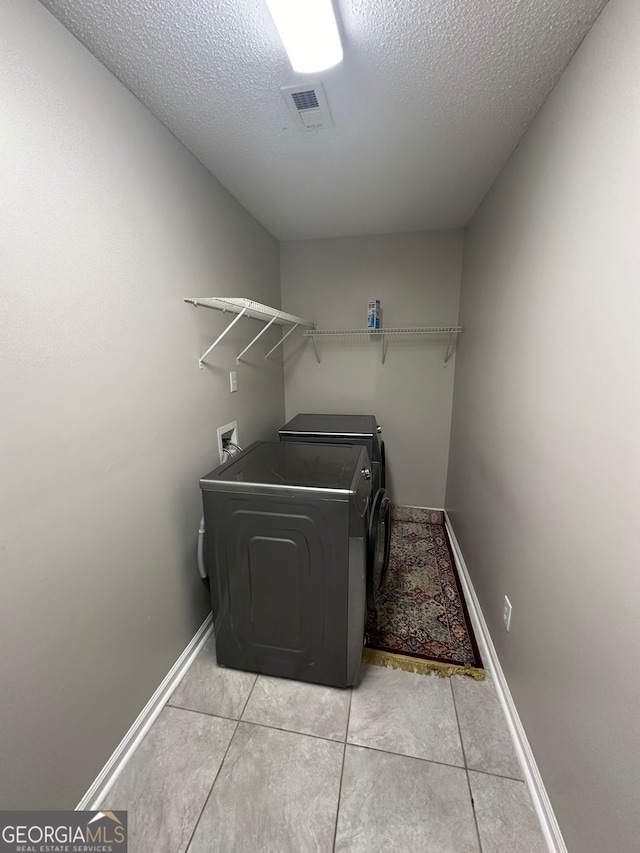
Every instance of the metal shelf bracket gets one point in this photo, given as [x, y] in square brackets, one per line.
[282, 340]
[450, 347]
[257, 337]
[219, 338]
[315, 347]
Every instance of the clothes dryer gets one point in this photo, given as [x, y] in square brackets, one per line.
[286, 548]
[360, 430]
[341, 429]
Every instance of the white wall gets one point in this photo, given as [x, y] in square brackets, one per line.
[106, 223]
[544, 485]
[417, 278]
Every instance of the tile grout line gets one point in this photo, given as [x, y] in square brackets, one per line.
[208, 797]
[496, 775]
[260, 725]
[344, 755]
[224, 758]
[346, 732]
[466, 769]
[405, 755]
[244, 707]
[205, 713]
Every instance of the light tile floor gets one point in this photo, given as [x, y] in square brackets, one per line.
[402, 763]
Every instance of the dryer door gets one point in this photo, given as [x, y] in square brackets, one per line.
[378, 547]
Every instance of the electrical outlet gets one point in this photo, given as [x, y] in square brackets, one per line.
[228, 432]
[506, 613]
[233, 381]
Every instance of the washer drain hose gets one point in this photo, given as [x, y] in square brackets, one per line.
[202, 569]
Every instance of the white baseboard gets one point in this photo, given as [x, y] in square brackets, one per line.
[129, 743]
[532, 776]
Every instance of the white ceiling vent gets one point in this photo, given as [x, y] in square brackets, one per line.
[308, 106]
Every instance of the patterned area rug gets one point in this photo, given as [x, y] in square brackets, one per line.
[422, 623]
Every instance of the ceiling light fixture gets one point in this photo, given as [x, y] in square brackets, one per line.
[309, 33]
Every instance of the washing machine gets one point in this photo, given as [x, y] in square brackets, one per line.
[360, 430]
[286, 551]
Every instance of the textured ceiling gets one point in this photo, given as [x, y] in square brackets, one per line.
[431, 98]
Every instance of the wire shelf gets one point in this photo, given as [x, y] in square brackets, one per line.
[242, 307]
[422, 331]
[448, 333]
[249, 308]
